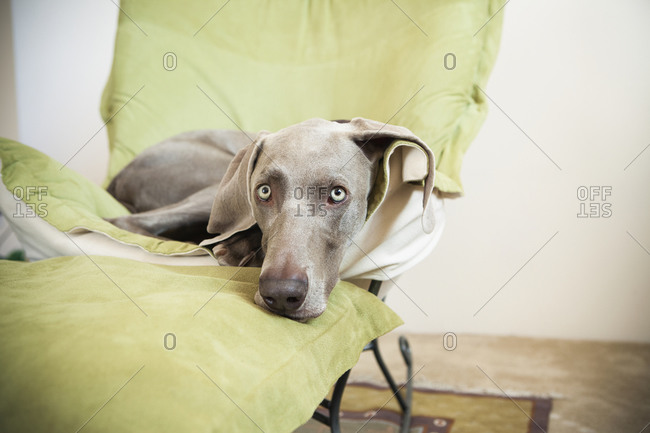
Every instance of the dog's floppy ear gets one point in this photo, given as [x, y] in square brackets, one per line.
[375, 140]
[232, 211]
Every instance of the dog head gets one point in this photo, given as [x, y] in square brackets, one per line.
[307, 188]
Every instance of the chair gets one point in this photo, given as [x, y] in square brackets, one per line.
[251, 65]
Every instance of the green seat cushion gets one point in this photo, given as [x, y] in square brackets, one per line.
[256, 65]
[109, 344]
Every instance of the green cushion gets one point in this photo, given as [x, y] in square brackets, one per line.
[129, 346]
[67, 200]
[258, 65]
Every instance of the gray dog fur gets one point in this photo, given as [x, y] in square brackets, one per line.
[298, 234]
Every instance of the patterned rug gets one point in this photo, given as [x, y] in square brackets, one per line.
[438, 412]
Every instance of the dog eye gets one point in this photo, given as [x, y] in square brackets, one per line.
[338, 194]
[264, 192]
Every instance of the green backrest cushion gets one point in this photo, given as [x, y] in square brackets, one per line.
[129, 346]
[260, 65]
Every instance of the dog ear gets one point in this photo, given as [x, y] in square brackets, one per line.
[375, 140]
[232, 211]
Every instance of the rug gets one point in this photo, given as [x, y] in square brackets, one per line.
[436, 411]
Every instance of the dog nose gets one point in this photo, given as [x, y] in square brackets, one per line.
[284, 294]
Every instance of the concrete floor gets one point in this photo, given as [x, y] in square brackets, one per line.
[596, 386]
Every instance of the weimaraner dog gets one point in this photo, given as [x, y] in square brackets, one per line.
[289, 201]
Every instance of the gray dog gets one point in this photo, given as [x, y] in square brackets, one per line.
[289, 201]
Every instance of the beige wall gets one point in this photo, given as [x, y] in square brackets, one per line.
[571, 75]
[574, 77]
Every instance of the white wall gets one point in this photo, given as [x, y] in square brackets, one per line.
[63, 55]
[571, 75]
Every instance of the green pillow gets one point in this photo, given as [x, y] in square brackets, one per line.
[259, 65]
[108, 344]
[67, 201]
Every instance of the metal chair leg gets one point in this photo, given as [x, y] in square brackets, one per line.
[405, 401]
[405, 348]
[333, 406]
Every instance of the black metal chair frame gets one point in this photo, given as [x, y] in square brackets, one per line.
[405, 400]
